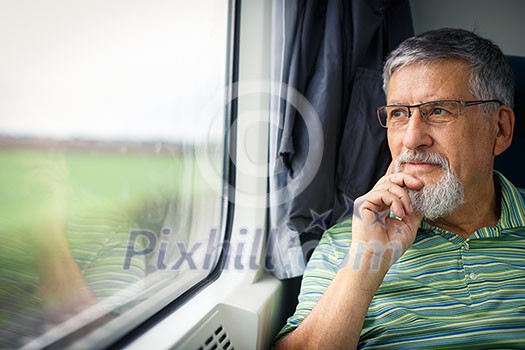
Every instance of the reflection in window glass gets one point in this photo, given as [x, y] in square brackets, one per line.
[103, 209]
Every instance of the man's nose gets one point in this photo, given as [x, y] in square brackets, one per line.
[416, 133]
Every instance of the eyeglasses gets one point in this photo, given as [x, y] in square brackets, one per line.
[432, 112]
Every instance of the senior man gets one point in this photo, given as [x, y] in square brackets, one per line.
[434, 255]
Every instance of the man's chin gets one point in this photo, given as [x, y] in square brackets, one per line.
[438, 197]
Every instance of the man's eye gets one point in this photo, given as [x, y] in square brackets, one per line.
[398, 113]
[438, 112]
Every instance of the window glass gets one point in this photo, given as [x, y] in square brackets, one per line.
[108, 109]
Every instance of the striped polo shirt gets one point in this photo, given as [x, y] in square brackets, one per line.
[445, 292]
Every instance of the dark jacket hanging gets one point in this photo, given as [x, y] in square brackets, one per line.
[334, 58]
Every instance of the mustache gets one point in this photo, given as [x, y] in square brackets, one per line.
[411, 156]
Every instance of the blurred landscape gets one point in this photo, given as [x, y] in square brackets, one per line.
[138, 177]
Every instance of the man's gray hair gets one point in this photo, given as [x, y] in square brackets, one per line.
[491, 76]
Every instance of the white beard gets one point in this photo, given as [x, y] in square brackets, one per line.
[434, 200]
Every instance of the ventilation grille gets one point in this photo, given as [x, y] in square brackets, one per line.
[218, 340]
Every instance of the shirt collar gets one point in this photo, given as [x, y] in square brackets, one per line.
[512, 204]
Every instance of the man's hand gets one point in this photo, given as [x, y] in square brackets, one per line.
[379, 238]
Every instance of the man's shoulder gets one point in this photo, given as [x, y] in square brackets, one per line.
[336, 240]
[340, 231]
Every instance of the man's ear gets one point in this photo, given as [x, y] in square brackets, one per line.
[505, 129]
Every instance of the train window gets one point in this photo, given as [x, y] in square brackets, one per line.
[110, 110]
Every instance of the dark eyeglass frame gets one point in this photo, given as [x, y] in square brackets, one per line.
[463, 104]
